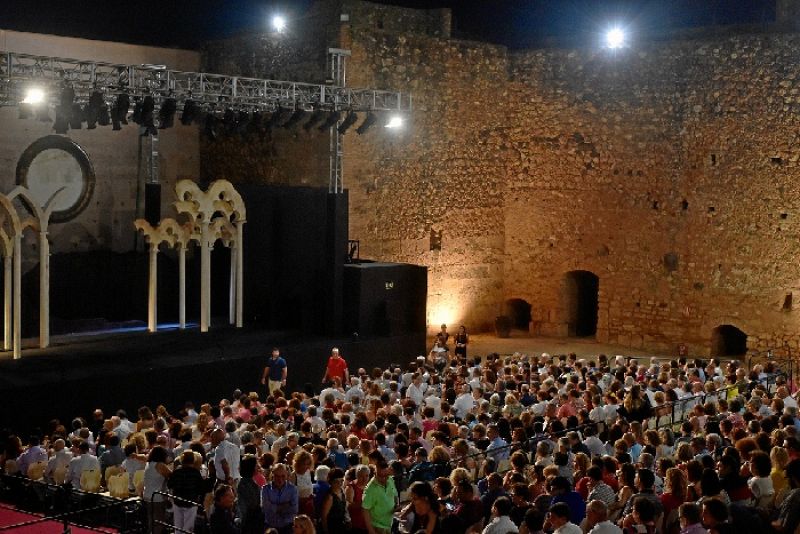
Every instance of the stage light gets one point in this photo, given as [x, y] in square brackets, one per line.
[34, 96]
[166, 114]
[148, 116]
[276, 118]
[348, 121]
[330, 122]
[229, 121]
[255, 125]
[296, 117]
[92, 109]
[210, 127]
[190, 112]
[76, 116]
[615, 38]
[61, 125]
[315, 118]
[119, 114]
[369, 120]
[395, 121]
[278, 23]
[103, 115]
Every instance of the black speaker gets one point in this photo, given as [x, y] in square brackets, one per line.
[152, 203]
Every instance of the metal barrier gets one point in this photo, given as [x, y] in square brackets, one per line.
[71, 506]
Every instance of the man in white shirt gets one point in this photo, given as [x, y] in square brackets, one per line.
[60, 458]
[597, 519]
[84, 461]
[501, 522]
[464, 403]
[335, 390]
[355, 394]
[559, 520]
[226, 458]
[416, 391]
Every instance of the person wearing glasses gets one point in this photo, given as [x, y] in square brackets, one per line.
[280, 500]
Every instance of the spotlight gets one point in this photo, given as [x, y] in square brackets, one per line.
[296, 117]
[120, 112]
[166, 114]
[278, 23]
[277, 117]
[615, 38]
[76, 116]
[348, 121]
[210, 127]
[148, 116]
[333, 118]
[395, 121]
[190, 112]
[136, 116]
[34, 96]
[61, 125]
[314, 119]
[92, 110]
[368, 122]
[67, 97]
[103, 115]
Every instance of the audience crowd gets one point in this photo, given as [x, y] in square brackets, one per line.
[496, 445]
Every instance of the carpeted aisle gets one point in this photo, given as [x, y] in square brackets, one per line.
[10, 516]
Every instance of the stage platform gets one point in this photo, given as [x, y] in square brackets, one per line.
[127, 369]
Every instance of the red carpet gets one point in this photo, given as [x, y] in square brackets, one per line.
[9, 516]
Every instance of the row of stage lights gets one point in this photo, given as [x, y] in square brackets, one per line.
[72, 115]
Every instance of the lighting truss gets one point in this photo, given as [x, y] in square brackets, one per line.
[17, 71]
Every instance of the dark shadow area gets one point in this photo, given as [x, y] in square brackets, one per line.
[519, 311]
[581, 297]
[727, 340]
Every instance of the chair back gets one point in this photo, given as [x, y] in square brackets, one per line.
[138, 482]
[90, 480]
[11, 467]
[60, 475]
[118, 486]
[36, 470]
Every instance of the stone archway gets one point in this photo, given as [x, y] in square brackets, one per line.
[580, 302]
[727, 340]
[519, 311]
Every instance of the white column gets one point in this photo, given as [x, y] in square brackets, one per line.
[17, 298]
[152, 290]
[8, 281]
[232, 286]
[44, 291]
[205, 278]
[239, 274]
[182, 286]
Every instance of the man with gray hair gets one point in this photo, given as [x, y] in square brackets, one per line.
[597, 519]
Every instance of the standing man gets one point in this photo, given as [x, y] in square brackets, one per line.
[279, 500]
[275, 372]
[379, 500]
[337, 368]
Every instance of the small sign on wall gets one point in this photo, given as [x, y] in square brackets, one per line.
[389, 285]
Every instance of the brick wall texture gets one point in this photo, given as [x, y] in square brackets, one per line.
[669, 170]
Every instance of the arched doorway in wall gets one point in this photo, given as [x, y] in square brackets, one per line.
[580, 295]
[519, 311]
[727, 340]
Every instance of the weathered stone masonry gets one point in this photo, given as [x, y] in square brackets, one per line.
[669, 170]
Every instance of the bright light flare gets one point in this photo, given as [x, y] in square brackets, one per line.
[34, 95]
[395, 122]
[615, 38]
[279, 23]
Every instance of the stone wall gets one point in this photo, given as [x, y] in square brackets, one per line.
[668, 170]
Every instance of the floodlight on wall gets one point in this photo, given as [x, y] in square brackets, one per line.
[330, 122]
[166, 114]
[395, 122]
[615, 38]
[278, 23]
[34, 96]
[348, 121]
[369, 121]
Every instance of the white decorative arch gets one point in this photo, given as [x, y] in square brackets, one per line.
[216, 214]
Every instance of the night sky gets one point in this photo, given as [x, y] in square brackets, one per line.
[515, 23]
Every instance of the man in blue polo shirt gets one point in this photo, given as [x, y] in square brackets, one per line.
[275, 372]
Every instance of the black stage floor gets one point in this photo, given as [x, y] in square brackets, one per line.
[129, 370]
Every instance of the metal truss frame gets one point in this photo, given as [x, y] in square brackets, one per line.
[19, 71]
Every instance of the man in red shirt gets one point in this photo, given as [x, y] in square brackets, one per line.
[336, 368]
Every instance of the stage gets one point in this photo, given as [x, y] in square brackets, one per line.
[128, 369]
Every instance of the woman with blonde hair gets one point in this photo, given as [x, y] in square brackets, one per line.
[780, 458]
[302, 524]
[512, 407]
[302, 463]
[674, 490]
